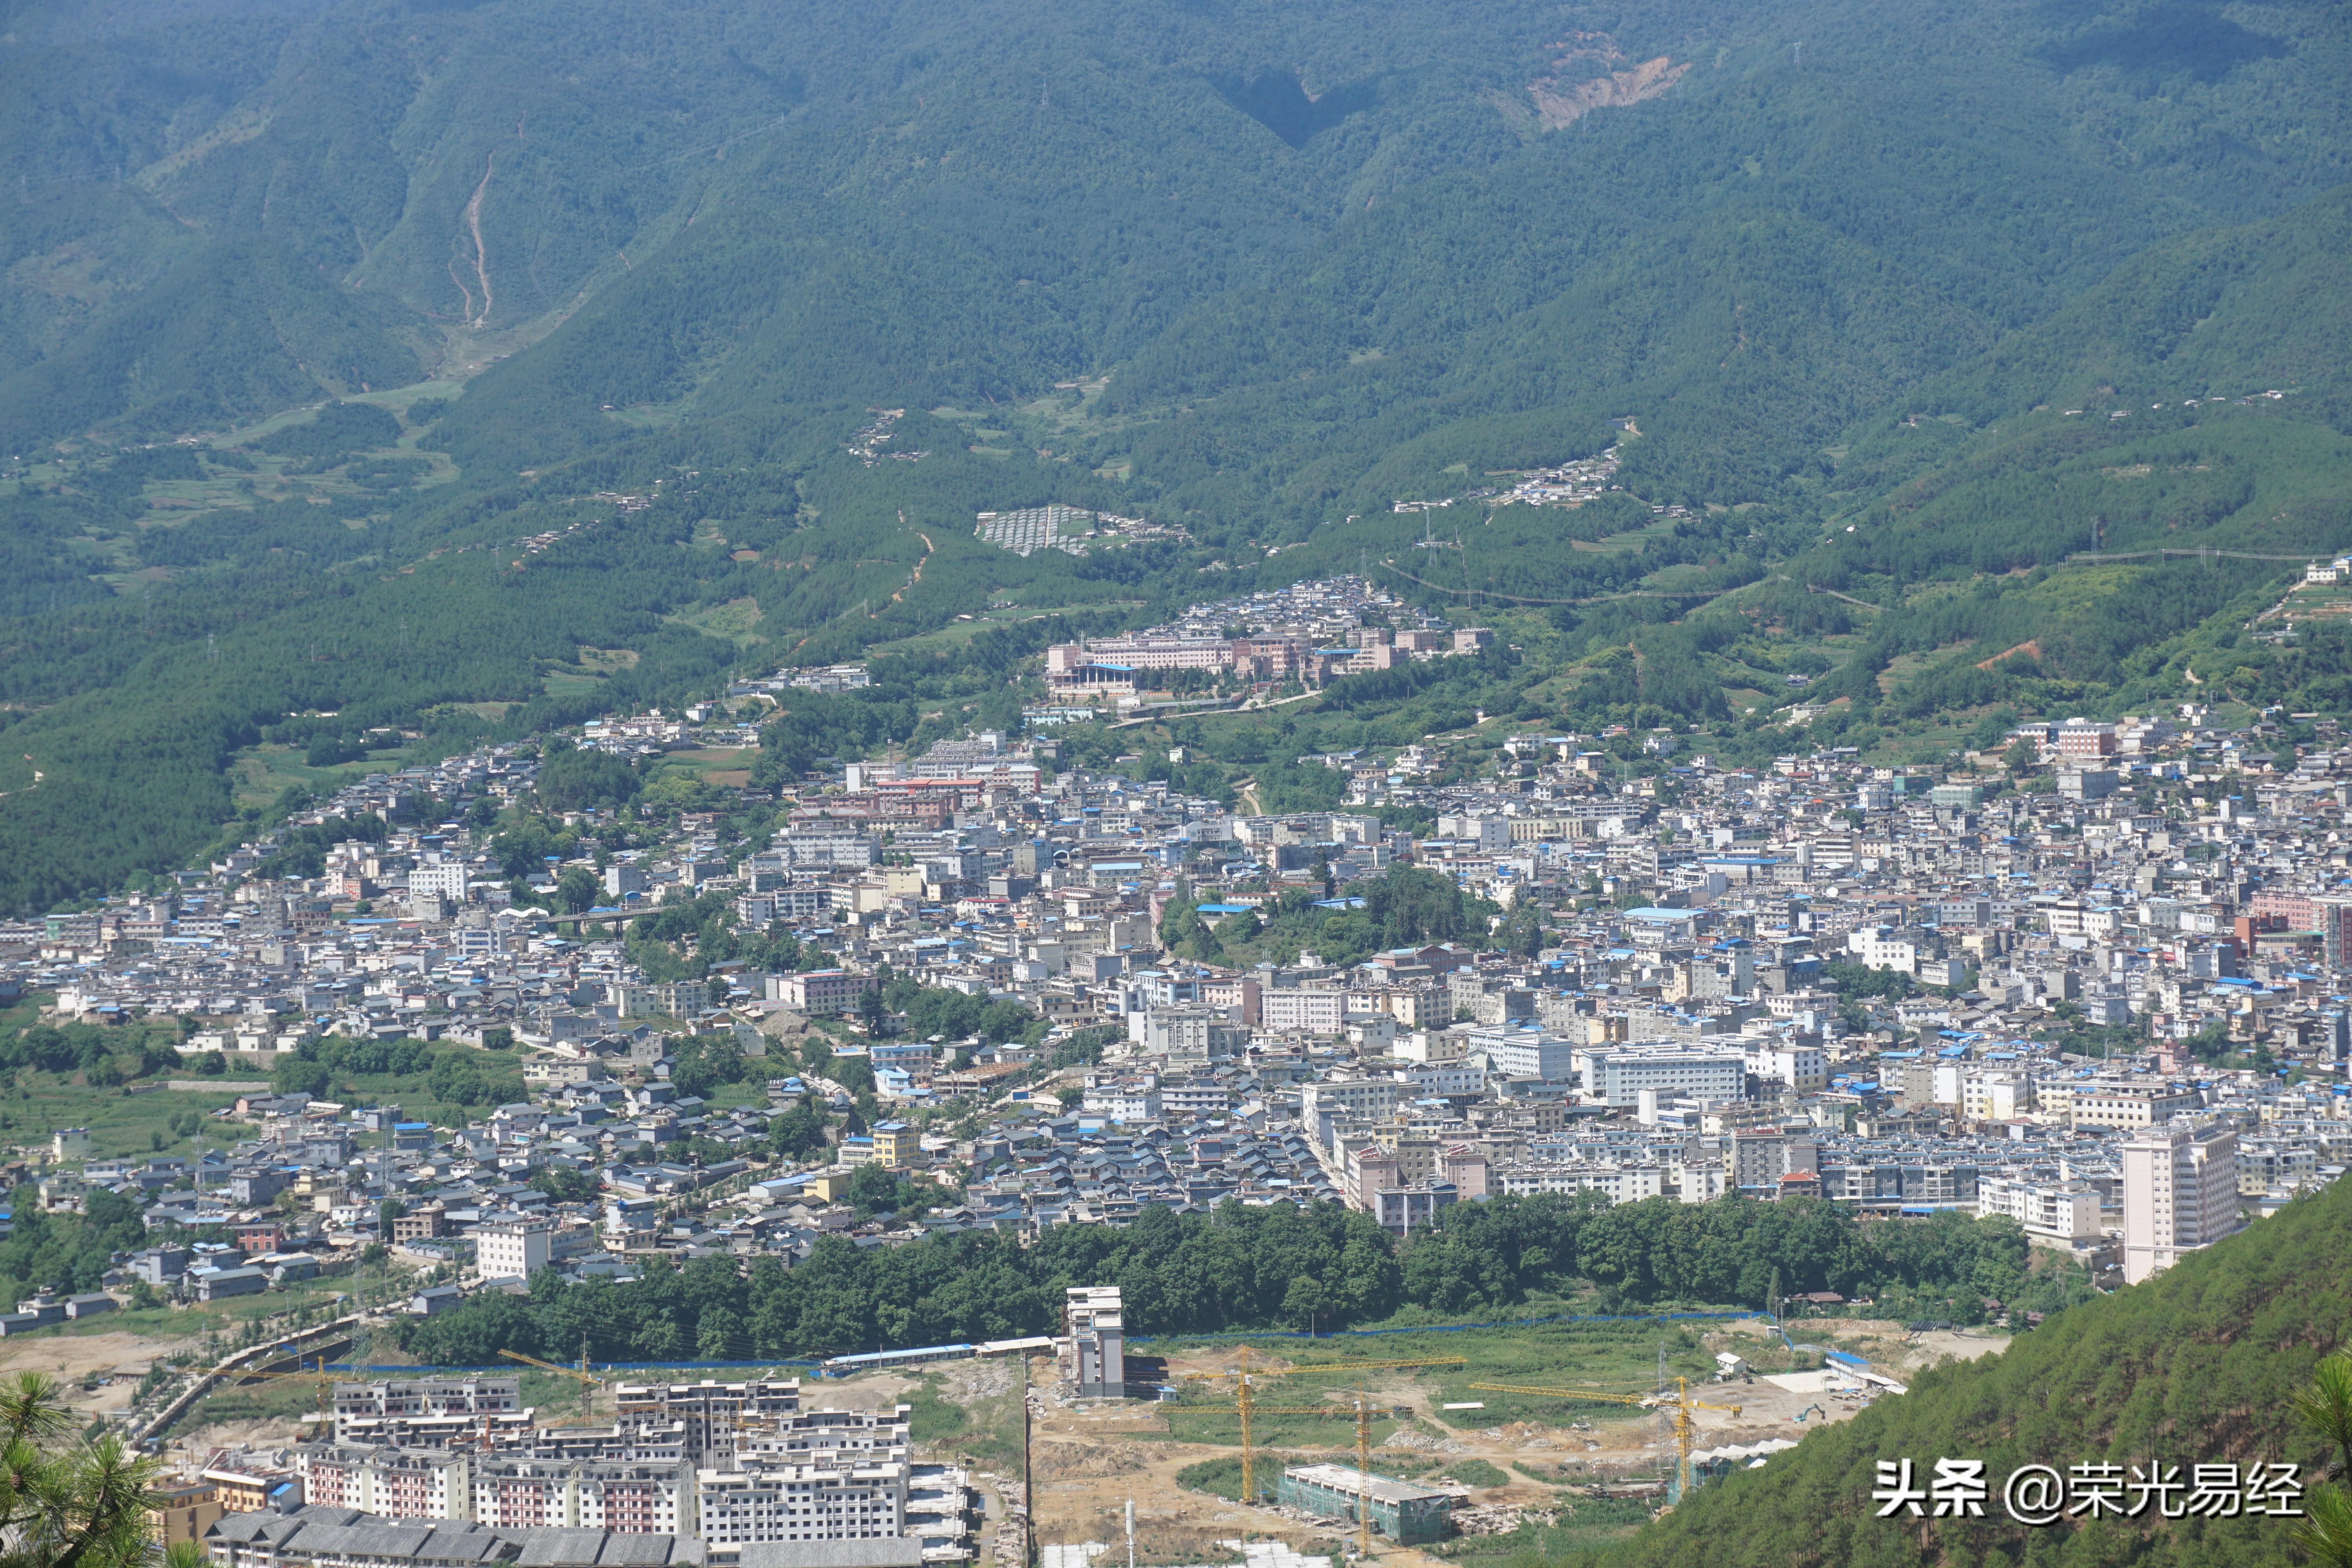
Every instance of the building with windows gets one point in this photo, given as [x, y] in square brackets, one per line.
[821, 990]
[713, 1412]
[2181, 1193]
[850, 1500]
[1618, 1077]
[514, 1250]
[1094, 1321]
[1407, 1514]
[1526, 1053]
[2055, 1214]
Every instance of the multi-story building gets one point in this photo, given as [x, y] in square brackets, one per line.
[1618, 1077]
[713, 1412]
[821, 990]
[854, 1501]
[1306, 1011]
[401, 1483]
[1526, 1053]
[2063, 1214]
[2181, 1193]
[427, 1396]
[513, 1250]
[2128, 1109]
[1095, 1321]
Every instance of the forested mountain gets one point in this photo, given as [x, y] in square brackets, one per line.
[1263, 270]
[2193, 1368]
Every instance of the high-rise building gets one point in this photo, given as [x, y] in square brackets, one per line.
[2180, 1193]
[1097, 1336]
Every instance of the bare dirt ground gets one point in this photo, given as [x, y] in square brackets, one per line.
[1090, 1459]
[123, 1358]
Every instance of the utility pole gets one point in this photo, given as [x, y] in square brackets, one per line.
[1028, 1479]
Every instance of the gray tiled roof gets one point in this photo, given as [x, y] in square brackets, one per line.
[901, 1553]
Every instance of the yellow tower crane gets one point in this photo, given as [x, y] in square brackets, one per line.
[573, 1372]
[1681, 1403]
[1245, 1404]
[317, 1373]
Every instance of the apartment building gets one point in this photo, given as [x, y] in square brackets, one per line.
[469, 1397]
[713, 1413]
[2181, 1193]
[1618, 1077]
[789, 1502]
[400, 1483]
[2060, 1214]
[2128, 1109]
[1526, 1053]
[514, 1250]
[820, 990]
[1304, 1011]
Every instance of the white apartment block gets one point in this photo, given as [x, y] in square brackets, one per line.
[1094, 1321]
[397, 1483]
[1618, 1078]
[2063, 1214]
[2181, 1193]
[2131, 1109]
[1996, 1096]
[854, 1501]
[713, 1412]
[820, 990]
[626, 1498]
[513, 1251]
[798, 1437]
[1308, 1012]
[1879, 947]
[502, 1492]
[1622, 1184]
[1526, 1053]
[1805, 1069]
[429, 1396]
[1185, 1034]
[1362, 1098]
[1443, 1077]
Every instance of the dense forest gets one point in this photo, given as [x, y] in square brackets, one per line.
[1238, 1267]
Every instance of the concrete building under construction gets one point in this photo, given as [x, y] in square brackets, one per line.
[1407, 1514]
[1095, 1359]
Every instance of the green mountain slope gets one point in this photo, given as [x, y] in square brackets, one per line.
[2193, 1367]
[1264, 270]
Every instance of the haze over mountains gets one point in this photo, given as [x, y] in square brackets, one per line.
[1258, 268]
[223, 211]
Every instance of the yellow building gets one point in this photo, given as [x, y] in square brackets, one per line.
[896, 1146]
[185, 1512]
[242, 1492]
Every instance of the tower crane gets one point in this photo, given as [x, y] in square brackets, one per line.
[1245, 1404]
[317, 1373]
[575, 1374]
[1681, 1403]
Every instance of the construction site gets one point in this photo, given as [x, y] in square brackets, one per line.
[1478, 1442]
[1475, 1442]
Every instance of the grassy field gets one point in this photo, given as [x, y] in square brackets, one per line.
[724, 768]
[259, 775]
[973, 1413]
[1611, 1357]
[734, 621]
[120, 1123]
